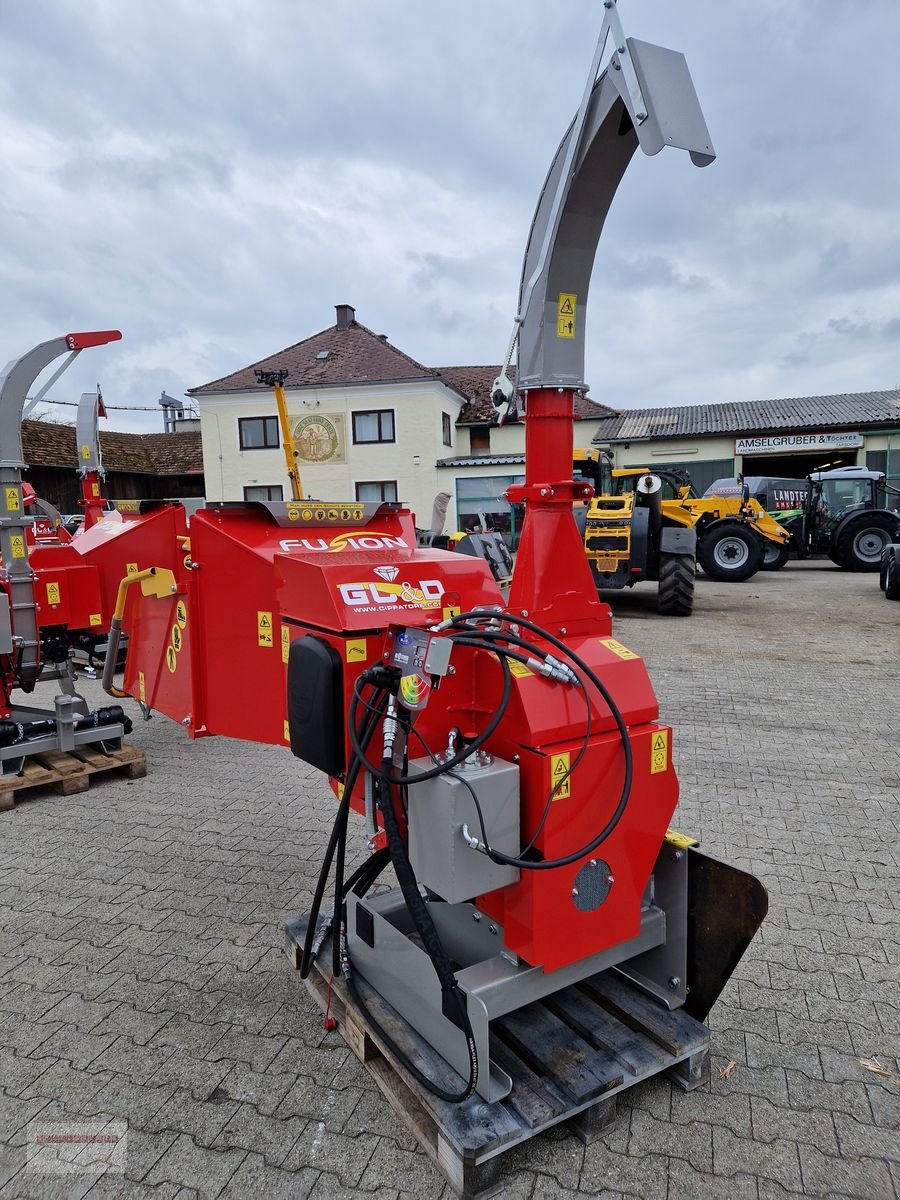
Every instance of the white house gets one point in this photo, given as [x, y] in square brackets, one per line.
[370, 423]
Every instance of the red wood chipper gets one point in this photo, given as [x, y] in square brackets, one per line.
[506, 755]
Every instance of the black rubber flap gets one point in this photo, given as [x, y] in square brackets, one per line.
[316, 704]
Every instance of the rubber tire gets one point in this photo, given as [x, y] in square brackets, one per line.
[675, 595]
[706, 549]
[892, 577]
[780, 555]
[845, 553]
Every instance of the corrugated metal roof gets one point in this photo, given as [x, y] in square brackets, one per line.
[753, 416]
[483, 460]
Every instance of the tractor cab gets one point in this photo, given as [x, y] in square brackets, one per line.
[847, 517]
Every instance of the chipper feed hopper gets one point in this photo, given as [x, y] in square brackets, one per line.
[507, 757]
[56, 592]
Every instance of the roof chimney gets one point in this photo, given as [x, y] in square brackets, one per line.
[346, 315]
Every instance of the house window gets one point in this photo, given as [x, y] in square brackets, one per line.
[447, 429]
[258, 433]
[377, 490]
[480, 439]
[265, 491]
[375, 426]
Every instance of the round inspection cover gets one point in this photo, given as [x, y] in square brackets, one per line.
[592, 884]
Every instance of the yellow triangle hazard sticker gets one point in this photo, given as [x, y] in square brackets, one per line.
[659, 742]
[560, 768]
[566, 308]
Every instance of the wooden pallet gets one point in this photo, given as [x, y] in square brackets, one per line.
[568, 1056]
[69, 772]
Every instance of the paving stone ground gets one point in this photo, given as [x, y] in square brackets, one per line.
[142, 977]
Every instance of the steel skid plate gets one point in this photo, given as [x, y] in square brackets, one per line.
[385, 952]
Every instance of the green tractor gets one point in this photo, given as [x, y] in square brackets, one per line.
[845, 517]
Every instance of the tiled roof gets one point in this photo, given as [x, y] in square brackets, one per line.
[46, 444]
[482, 460]
[753, 416]
[475, 384]
[352, 355]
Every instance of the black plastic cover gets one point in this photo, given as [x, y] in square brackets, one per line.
[315, 704]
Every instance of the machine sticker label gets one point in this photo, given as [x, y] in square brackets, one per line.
[187, 561]
[565, 314]
[131, 568]
[181, 613]
[414, 690]
[53, 593]
[142, 688]
[285, 643]
[659, 751]
[287, 732]
[171, 658]
[128, 506]
[344, 541]
[618, 648]
[352, 512]
[519, 669]
[355, 650]
[95, 618]
[17, 545]
[12, 499]
[176, 638]
[95, 489]
[85, 452]
[560, 780]
[372, 596]
[264, 629]
[681, 840]
[450, 610]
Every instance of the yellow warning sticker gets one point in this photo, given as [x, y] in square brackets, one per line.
[264, 629]
[85, 452]
[519, 669]
[560, 765]
[181, 613]
[681, 840]
[131, 568]
[176, 638]
[339, 791]
[187, 561]
[128, 506]
[95, 489]
[142, 688]
[355, 650]
[565, 314]
[659, 751]
[95, 618]
[451, 610]
[171, 658]
[53, 593]
[618, 648]
[287, 732]
[285, 643]
[17, 545]
[12, 499]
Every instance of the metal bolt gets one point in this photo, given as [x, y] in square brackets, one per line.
[593, 862]
[641, 116]
[617, 66]
[476, 916]
[524, 612]
[674, 982]
[574, 891]
[678, 856]
[610, 879]
[620, 49]
[545, 491]
[492, 928]
[185, 721]
[563, 631]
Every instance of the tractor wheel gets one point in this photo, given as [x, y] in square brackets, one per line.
[730, 553]
[892, 575]
[675, 595]
[774, 556]
[862, 543]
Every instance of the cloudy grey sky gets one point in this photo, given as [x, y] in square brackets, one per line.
[213, 178]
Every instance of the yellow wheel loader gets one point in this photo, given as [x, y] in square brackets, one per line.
[650, 525]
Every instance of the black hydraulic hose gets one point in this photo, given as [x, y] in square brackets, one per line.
[469, 749]
[306, 958]
[567, 860]
[433, 946]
